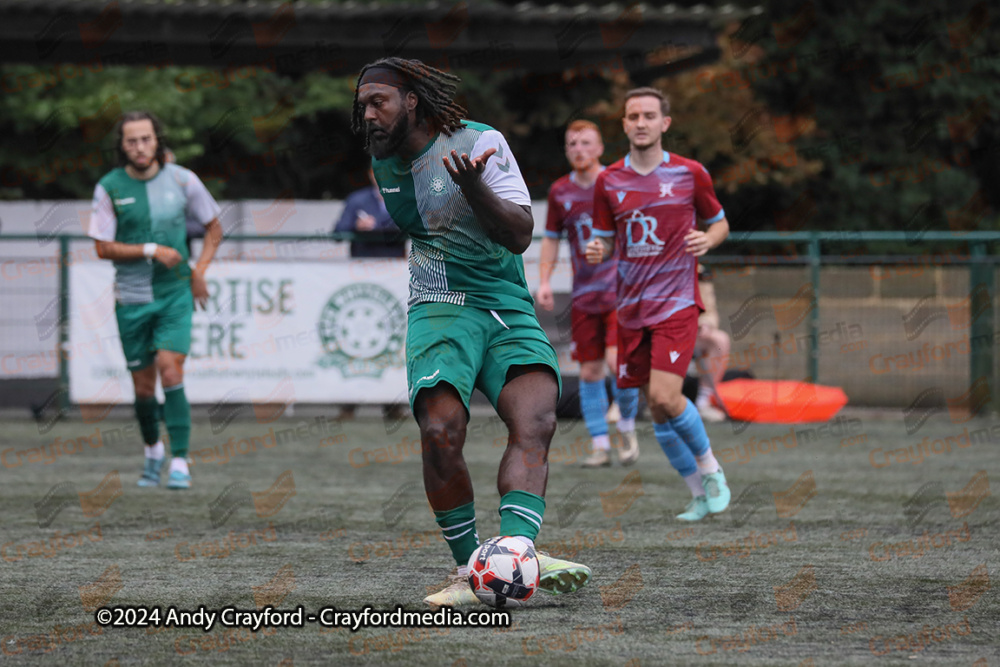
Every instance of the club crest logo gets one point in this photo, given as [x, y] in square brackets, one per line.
[438, 185]
[362, 329]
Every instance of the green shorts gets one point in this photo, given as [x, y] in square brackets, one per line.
[164, 324]
[471, 348]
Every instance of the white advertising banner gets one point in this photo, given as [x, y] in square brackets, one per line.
[273, 332]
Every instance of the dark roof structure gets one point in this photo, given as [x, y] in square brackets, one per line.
[341, 37]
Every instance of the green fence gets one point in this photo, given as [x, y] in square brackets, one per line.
[783, 297]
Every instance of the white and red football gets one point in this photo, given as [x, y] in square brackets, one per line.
[503, 572]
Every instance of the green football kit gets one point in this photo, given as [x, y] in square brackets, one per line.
[471, 316]
[153, 304]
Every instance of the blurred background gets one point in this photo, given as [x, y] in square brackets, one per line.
[854, 148]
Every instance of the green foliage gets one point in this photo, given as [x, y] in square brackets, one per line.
[904, 103]
[248, 131]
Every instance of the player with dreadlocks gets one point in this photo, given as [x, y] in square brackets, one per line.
[471, 321]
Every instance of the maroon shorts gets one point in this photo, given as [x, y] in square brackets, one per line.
[667, 346]
[592, 334]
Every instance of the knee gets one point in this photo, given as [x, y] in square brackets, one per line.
[667, 403]
[171, 372]
[441, 439]
[534, 430]
[145, 387]
[592, 371]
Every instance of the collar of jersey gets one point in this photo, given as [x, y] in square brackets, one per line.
[572, 178]
[416, 157]
[628, 158]
[163, 168]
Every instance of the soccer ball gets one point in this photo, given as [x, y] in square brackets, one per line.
[503, 572]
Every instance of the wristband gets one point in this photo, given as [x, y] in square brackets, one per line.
[148, 250]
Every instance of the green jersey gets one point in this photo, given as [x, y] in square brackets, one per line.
[452, 260]
[127, 210]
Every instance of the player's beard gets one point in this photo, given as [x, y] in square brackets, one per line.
[384, 145]
[137, 168]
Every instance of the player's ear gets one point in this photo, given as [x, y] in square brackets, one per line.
[666, 123]
[410, 100]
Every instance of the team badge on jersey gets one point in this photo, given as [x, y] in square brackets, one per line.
[438, 186]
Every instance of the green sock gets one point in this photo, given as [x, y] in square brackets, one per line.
[147, 412]
[521, 514]
[459, 529]
[177, 417]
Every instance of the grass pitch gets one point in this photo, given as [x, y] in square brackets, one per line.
[823, 558]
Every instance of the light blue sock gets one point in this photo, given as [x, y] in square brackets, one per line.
[627, 399]
[594, 405]
[673, 446]
[691, 429]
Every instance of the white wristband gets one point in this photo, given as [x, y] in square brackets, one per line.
[148, 250]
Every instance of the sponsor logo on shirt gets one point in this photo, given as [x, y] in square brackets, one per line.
[647, 244]
[123, 202]
[666, 189]
[389, 191]
[584, 231]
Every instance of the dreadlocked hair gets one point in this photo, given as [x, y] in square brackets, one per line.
[434, 88]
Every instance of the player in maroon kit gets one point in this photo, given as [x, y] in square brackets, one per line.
[648, 205]
[594, 323]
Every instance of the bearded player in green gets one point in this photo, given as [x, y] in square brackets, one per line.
[455, 188]
[138, 222]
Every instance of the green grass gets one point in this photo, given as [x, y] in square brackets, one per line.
[333, 540]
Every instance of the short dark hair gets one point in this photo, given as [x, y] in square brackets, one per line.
[131, 116]
[647, 91]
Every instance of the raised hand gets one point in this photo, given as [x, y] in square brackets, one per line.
[467, 170]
